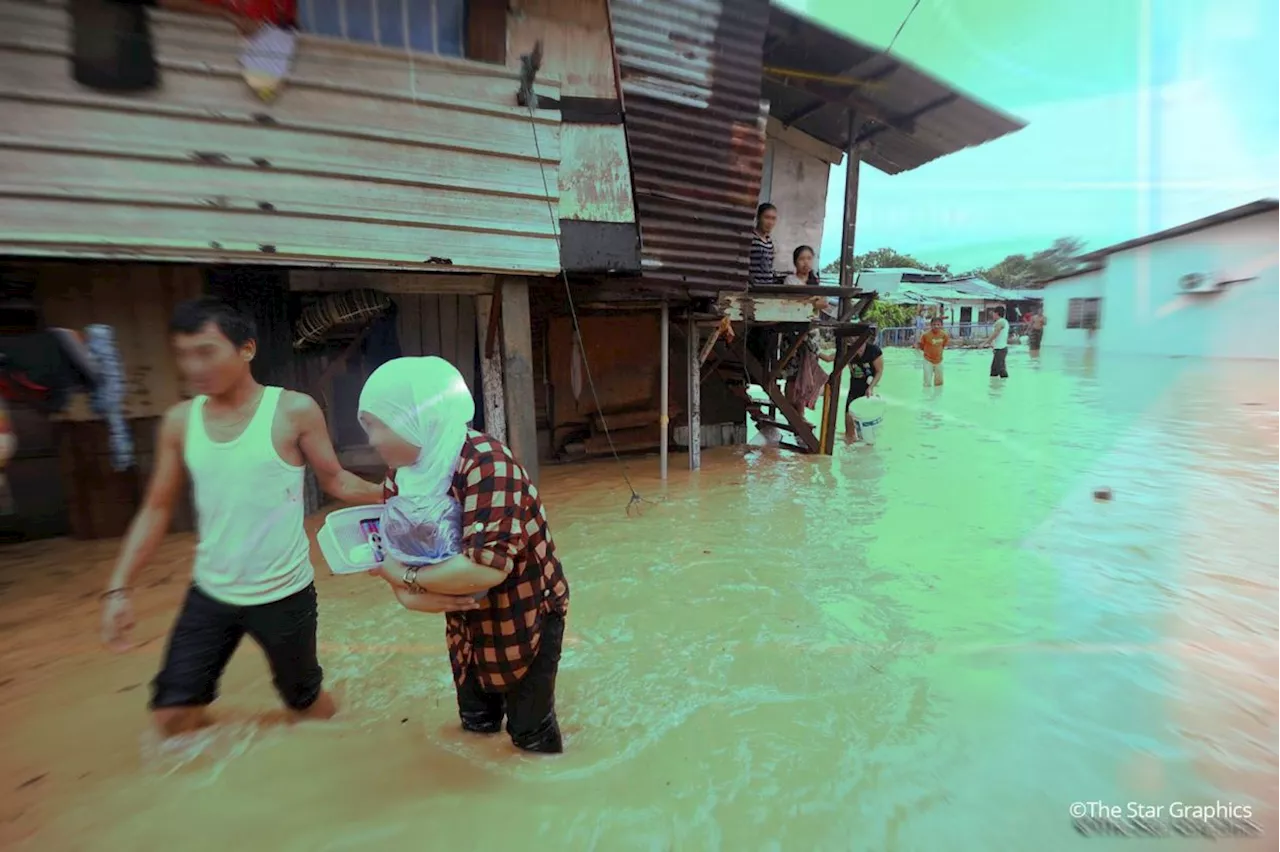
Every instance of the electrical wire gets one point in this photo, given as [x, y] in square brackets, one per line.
[635, 500]
[902, 26]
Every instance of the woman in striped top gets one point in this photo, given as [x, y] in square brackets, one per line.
[760, 270]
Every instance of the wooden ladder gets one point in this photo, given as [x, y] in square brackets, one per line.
[739, 369]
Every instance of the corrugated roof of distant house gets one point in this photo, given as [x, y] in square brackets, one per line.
[1244, 211]
[911, 117]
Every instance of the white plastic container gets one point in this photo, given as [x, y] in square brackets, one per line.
[344, 544]
[868, 414]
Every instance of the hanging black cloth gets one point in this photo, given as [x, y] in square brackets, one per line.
[111, 47]
[36, 369]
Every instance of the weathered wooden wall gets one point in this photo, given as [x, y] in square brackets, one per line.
[332, 172]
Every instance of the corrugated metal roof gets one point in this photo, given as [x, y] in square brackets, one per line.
[365, 159]
[1253, 208]
[691, 93]
[909, 118]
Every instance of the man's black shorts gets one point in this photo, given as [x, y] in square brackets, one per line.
[207, 633]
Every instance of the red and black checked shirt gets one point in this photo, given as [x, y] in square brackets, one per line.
[503, 526]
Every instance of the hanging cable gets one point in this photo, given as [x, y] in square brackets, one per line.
[531, 64]
[902, 26]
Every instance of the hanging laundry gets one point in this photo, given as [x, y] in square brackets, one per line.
[111, 46]
[108, 394]
[267, 59]
[43, 368]
[805, 389]
[281, 13]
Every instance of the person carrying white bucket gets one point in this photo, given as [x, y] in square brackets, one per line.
[866, 369]
[867, 414]
[504, 649]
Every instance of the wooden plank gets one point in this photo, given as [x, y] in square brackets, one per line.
[487, 30]
[517, 345]
[693, 367]
[430, 325]
[409, 324]
[182, 183]
[595, 174]
[42, 227]
[106, 132]
[206, 43]
[224, 98]
[495, 417]
[466, 345]
[448, 322]
[394, 283]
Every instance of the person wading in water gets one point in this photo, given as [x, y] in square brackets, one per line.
[505, 648]
[245, 447]
[999, 343]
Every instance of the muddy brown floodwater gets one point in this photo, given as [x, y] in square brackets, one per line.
[939, 643]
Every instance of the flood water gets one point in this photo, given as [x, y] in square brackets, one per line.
[939, 643]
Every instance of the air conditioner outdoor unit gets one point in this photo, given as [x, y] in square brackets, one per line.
[1198, 282]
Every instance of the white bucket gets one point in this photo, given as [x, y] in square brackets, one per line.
[868, 414]
[346, 546]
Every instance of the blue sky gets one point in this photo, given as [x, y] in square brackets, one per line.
[1142, 114]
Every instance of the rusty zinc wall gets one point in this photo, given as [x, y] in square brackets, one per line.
[691, 73]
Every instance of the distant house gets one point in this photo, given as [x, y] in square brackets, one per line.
[963, 302]
[1207, 288]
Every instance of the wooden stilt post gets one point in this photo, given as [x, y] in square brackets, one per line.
[848, 276]
[664, 392]
[495, 411]
[517, 368]
[695, 396]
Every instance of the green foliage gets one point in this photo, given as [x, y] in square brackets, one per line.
[885, 315]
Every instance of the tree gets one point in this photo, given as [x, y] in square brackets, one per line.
[884, 258]
[1021, 271]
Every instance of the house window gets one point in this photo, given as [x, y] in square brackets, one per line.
[426, 26]
[1084, 313]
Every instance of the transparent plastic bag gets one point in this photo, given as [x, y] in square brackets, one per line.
[422, 531]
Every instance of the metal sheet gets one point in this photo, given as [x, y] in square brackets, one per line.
[938, 120]
[369, 158]
[695, 127]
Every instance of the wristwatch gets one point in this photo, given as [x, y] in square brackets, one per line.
[411, 580]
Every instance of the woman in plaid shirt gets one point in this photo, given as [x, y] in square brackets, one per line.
[505, 647]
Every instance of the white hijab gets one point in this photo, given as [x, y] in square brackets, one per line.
[426, 402]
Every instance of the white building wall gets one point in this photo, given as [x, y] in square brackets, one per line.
[1056, 298]
[797, 172]
[1144, 311]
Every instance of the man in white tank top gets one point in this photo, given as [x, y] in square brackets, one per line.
[999, 343]
[246, 448]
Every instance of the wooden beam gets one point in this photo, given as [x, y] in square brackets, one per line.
[866, 109]
[694, 371]
[419, 283]
[855, 81]
[850, 227]
[491, 392]
[517, 368]
[487, 31]
[911, 116]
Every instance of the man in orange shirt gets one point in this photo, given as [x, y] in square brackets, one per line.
[931, 343]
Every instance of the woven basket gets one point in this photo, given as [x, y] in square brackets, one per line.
[336, 309]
